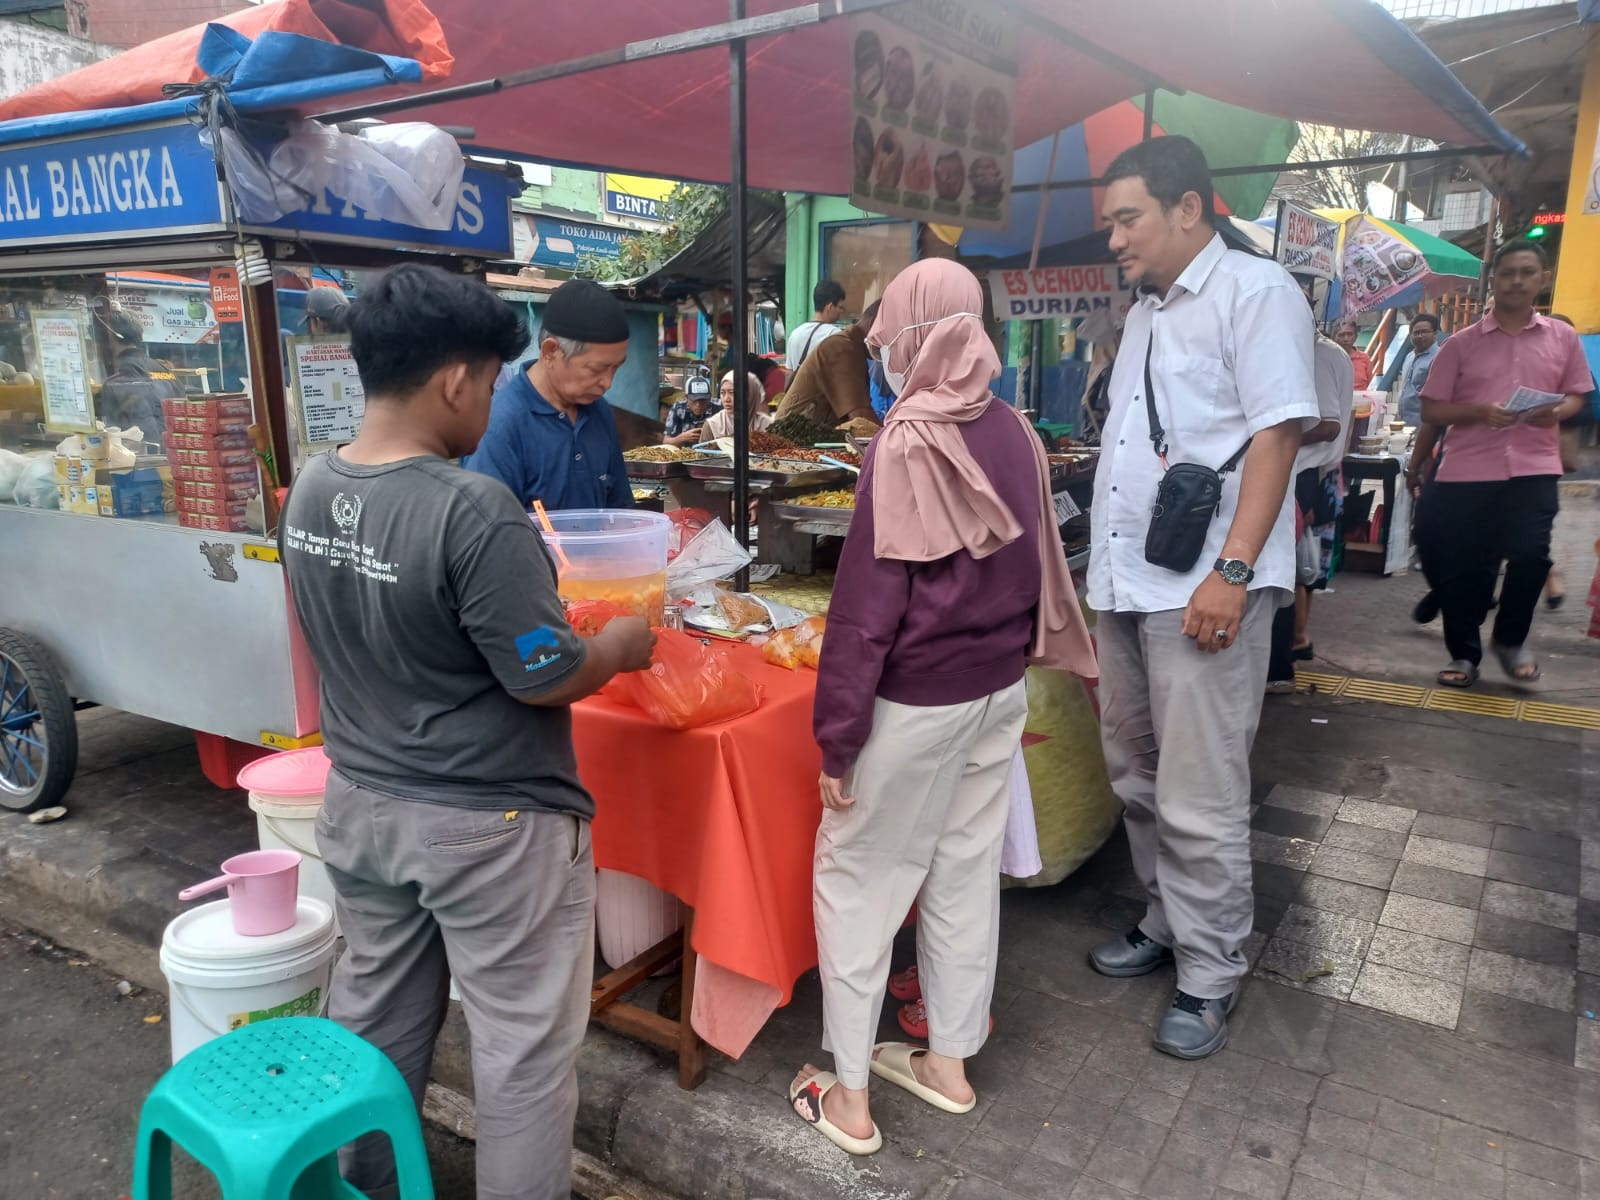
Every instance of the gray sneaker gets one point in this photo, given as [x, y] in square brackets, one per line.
[1195, 1028]
[1130, 954]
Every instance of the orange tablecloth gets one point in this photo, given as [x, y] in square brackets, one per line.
[725, 818]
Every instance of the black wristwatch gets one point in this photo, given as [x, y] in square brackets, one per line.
[1234, 570]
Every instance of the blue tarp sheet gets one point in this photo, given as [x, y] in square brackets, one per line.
[274, 71]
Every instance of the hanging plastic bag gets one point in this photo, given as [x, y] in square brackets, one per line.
[688, 685]
[36, 485]
[12, 465]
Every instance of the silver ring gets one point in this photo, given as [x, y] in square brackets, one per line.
[1221, 635]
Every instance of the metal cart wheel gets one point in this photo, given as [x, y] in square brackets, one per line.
[38, 731]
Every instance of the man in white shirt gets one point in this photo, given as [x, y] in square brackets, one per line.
[828, 297]
[1183, 654]
[1319, 496]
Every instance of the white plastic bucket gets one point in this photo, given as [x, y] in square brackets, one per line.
[282, 826]
[631, 915]
[220, 980]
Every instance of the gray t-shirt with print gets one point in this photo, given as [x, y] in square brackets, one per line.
[429, 603]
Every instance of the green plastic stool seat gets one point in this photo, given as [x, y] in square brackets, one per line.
[266, 1108]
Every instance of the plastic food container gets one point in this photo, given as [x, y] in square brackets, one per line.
[618, 555]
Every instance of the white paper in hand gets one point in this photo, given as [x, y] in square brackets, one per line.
[1528, 403]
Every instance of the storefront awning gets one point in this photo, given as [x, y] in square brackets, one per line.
[1340, 62]
[706, 263]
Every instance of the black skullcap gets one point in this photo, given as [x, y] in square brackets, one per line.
[580, 310]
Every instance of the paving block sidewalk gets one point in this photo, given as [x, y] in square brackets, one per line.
[1426, 955]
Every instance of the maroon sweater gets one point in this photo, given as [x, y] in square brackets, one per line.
[935, 633]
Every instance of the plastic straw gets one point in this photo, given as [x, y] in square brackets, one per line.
[544, 519]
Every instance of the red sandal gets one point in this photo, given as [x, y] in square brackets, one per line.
[913, 1018]
[906, 985]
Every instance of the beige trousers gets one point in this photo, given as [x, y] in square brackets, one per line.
[931, 792]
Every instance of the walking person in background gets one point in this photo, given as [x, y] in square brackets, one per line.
[1496, 497]
[1425, 345]
[1319, 500]
[1345, 333]
[828, 299]
[1218, 347]
[455, 829]
[951, 581]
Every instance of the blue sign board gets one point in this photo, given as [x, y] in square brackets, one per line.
[482, 225]
[625, 204]
[561, 244]
[133, 181]
[161, 179]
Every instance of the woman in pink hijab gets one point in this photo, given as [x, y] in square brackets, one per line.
[951, 582]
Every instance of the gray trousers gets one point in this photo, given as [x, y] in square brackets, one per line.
[1177, 725]
[932, 789]
[504, 901]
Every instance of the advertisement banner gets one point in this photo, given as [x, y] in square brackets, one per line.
[155, 179]
[934, 98]
[1308, 244]
[174, 316]
[1062, 292]
[636, 196]
[227, 302]
[1377, 265]
[554, 242]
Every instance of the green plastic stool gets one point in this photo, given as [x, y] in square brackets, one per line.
[266, 1108]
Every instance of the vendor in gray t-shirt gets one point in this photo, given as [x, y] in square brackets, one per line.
[455, 828]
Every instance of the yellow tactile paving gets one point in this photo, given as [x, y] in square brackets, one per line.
[1471, 702]
[1405, 695]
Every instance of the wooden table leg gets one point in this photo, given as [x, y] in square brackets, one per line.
[607, 1006]
[691, 1050]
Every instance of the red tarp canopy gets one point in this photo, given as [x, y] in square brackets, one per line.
[1336, 62]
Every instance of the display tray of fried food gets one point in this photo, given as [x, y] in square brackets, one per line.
[769, 443]
[838, 453]
[661, 454]
[770, 471]
[839, 498]
[660, 462]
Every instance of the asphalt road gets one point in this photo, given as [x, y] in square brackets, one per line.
[76, 1061]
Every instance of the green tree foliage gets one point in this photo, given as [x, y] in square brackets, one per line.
[686, 211]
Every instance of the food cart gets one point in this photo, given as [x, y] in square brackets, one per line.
[146, 576]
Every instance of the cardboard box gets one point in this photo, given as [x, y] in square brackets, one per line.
[213, 439]
[219, 457]
[91, 501]
[215, 524]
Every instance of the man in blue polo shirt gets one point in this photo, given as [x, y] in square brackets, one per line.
[551, 435]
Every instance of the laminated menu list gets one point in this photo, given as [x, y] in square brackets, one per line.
[933, 94]
[328, 389]
[63, 371]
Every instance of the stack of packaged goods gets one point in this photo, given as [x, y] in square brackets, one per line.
[214, 469]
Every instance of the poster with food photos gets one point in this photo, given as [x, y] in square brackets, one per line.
[933, 91]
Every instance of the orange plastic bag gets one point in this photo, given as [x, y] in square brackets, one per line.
[799, 646]
[688, 685]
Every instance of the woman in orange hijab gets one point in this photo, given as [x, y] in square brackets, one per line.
[951, 581]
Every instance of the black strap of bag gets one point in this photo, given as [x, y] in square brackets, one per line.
[1158, 435]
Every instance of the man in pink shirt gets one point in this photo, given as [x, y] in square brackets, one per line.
[1496, 493]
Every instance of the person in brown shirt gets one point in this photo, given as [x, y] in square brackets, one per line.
[830, 387]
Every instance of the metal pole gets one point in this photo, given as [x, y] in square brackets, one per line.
[1149, 114]
[741, 270]
[1282, 167]
[1401, 184]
